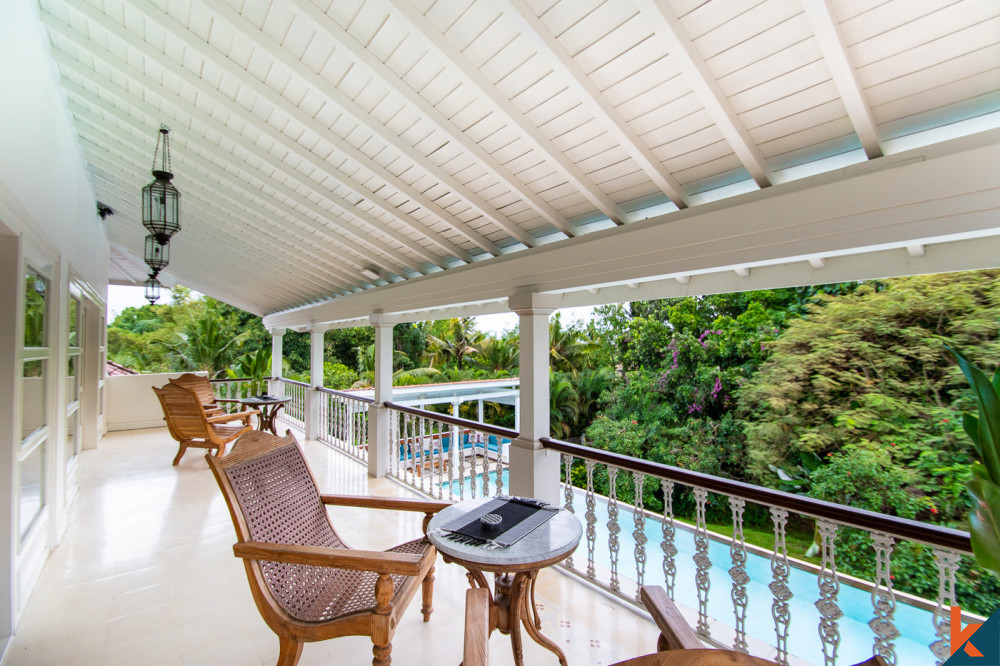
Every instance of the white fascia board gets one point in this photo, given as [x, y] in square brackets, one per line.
[945, 192]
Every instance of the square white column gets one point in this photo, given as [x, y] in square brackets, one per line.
[378, 414]
[277, 335]
[534, 471]
[313, 397]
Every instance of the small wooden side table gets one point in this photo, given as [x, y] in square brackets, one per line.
[514, 570]
[268, 407]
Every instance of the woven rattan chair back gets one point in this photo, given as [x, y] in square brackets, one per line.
[190, 425]
[276, 507]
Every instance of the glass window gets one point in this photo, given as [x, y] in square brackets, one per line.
[72, 434]
[72, 380]
[74, 322]
[36, 289]
[31, 488]
[33, 397]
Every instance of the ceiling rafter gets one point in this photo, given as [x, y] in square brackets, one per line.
[92, 132]
[845, 77]
[534, 29]
[249, 30]
[161, 59]
[240, 194]
[380, 70]
[123, 68]
[708, 91]
[506, 109]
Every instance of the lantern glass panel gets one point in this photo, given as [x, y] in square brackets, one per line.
[157, 255]
[152, 290]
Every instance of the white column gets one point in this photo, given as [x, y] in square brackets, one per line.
[313, 397]
[378, 414]
[534, 471]
[276, 336]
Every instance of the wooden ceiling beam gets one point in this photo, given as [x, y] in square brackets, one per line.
[380, 70]
[845, 77]
[251, 32]
[440, 44]
[594, 100]
[156, 56]
[696, 72]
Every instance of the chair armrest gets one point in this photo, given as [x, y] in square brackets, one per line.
[339, 558]
[675, 632]
[232, 417]
[228, 400]
[477, 627]
[393, 503]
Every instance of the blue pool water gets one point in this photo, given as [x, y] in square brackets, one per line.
[915, 624]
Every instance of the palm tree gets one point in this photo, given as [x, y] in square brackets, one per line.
[498, 356]
[563, 405]
[569, 351]
[590, 384]
[401, 377]
[459, 343]
[204, 346]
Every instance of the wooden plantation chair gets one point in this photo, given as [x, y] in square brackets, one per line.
[678, 644]
[307, 583]
[202, 388]
[190, 425]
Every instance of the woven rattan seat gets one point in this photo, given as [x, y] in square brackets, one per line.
[191, 425]
[307, 583]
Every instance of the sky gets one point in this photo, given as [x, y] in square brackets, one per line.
[120, 297]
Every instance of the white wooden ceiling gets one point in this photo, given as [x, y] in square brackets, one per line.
[317, 143]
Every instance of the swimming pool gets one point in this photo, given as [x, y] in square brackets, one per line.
[914, 624]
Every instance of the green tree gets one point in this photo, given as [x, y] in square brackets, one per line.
[203, 346]
[457, 345]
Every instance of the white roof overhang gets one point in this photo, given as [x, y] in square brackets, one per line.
[428, 158]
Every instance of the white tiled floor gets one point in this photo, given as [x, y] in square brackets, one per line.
[146, 575]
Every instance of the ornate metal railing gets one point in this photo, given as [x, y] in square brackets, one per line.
[447, 457]
[343, 421]
[607, 557]
[294, 411]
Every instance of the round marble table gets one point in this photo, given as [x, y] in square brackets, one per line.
[268, 408]
[515, 569]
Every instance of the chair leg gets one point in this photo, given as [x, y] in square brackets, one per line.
[428, 593]
[381, 653]
[289, 651]
[180, 453]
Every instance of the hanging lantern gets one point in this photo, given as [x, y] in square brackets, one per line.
[161, 202]
[157, 255]
[152, 289]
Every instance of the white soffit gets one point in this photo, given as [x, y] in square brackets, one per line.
[317, 142]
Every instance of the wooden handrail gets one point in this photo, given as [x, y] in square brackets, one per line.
[236, 379]
[343, 394]
[292, 382]
[455, 421]
[902, 528]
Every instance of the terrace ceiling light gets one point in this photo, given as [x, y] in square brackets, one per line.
[152, 288]
[161, 202]
[157, 255]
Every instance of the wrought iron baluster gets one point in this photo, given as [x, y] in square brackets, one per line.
[702, 561]
[779, 585]
[639, 533]
[883, 600]
[568, 494]
[613, 527]
[667, 543]
[829, 589]
[738, 572]
[591, 516]
[947, 562]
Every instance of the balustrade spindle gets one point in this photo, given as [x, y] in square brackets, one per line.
[425, 448]
[829, 589]
[701, 560]
[568, 494]
[639, 533]
[779, 585]
[486, 471]
[591, 516]
[947, 562]
[455, 449]
[461, 470]
[667, 543]
[613, 528]
[499, 481]
[883, 600]
[738, 572]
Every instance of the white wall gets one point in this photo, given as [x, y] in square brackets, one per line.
[41, 166]
[131, 403]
